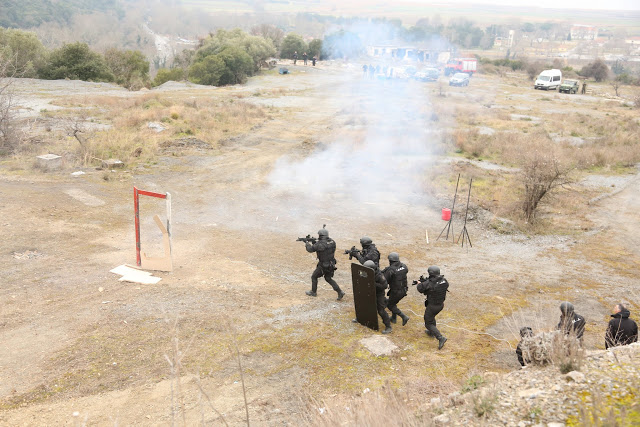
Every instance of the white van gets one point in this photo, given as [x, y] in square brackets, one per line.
[549, 80]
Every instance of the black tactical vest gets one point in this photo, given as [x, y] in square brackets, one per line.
[372, 253]
[326, 250]
[399, 276]
[439, 292]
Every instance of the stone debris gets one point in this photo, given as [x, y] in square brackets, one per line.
[49, 162]
[29, 254]
[543, 397]
[379, 345]
[112, 164]
[157, 127]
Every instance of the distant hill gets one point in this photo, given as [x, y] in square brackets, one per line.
[32, 13]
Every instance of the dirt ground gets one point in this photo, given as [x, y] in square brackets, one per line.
[81, 347]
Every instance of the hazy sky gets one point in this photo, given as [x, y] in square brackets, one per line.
[558, 4]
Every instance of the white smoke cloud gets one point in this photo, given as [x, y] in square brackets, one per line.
[385, 143]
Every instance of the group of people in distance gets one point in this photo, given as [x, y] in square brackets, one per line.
[393, 278]
[621, 330]
[304, 58]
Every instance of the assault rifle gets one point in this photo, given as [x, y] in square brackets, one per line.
[307, 239]
[420, 280]
[351, 252]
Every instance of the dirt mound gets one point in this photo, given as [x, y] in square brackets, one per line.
[172, 85]
[185, 143]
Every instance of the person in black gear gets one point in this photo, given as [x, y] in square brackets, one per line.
[435, 288]
[304, 58]
[313, 60]
[325, 249]
[525, 333]
[396, 275]
[621, 329]
[368, 252]
[295, 57]
[381, 301]
[570, 321]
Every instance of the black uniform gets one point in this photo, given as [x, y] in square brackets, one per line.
[325, 249]
[304, 57]
[396, 275]
[369, 252]
[381, 301]
[572, 323]
[295, 57]
[435, 288]
[621, 330]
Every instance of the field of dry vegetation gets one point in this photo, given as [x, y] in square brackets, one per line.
[230, 330]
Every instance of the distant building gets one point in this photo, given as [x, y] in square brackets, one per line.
[583, 32]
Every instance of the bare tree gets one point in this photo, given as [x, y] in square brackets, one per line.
[78, 128]
[541, 172]
[8, 137]
[616, 84]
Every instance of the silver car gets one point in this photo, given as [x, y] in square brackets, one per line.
[459, 79]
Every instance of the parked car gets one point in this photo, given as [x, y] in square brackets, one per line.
[427, 75]
[548, 80]
[459, 79]
[569, 86]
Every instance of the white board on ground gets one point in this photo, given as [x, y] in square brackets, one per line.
[124, 270]
[143, 279]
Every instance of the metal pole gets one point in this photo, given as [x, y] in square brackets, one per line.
[136, 208]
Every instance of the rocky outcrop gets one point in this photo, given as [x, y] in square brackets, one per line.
[606, 390]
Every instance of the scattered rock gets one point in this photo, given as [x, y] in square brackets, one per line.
[186, 143]
[530, 393]
[575, 376]
[157, 127]
[49, 162]
[28, 254]
[379, 345]
[442, 420]
[112, 164]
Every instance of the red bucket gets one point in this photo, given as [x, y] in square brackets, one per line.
[446, 214]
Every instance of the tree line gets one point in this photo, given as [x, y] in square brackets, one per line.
[222, 58]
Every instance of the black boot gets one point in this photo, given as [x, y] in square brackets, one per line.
[387, 330]
[441, 342]
[340, 295]
[311, 294]
[394, 318]
[405, 319]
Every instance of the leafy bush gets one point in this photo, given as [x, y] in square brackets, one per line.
[315, 48]
[168, 74]
[129, 67]
[23, 51]
[76, 62]
[257, 48]
[597, 70]
[473, 383]
[292, 43]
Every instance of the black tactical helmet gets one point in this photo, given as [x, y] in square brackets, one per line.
[434, 270]
[365, 241]
[393, 257]
[566, 308]
[370, 264]
[323, 231]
